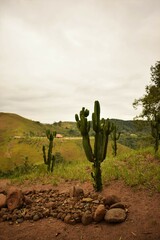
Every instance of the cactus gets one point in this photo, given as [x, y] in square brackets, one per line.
[115, 136]
[50, 159]
[155, 127]
[102, 129]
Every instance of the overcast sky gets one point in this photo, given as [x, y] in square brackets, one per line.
[57, 56]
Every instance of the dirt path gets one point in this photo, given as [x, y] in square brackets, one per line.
[143, 221]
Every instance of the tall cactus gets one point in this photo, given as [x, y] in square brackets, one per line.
[102, 129]
[155, 127]
[115, 135]
[49, 160]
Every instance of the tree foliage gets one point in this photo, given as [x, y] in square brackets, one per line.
[150, 102]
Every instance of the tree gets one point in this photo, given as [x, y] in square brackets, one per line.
[150, 103]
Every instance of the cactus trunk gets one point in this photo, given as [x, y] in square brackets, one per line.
[97, 176]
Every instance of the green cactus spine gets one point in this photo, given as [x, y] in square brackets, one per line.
[155, 127]
[115, 136]
[49, 160]
[102, 129]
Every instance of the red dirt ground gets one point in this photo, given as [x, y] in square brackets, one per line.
[143, 221]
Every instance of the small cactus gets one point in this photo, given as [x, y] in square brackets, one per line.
[115, 135]
[102, 129]
[49, 160]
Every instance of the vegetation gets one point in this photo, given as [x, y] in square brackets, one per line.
[21, 153]
[102, 129]
[137, 168]
[150, 103]
[50, 159]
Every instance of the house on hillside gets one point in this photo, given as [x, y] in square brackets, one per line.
[18, 137]
[59, 135]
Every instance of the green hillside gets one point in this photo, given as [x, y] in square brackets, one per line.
[13, 125]
[21, 157]
[21, 138]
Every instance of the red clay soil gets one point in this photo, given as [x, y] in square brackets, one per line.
[143, 221]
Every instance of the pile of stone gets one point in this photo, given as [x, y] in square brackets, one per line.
[71, 207]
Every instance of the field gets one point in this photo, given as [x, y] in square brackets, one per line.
[133, 175]
[23, 159]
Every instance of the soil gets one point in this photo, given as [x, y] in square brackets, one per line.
[142, 223]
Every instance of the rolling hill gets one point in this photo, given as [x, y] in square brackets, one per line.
[21, 138]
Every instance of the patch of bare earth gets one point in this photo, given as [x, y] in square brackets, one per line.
[143, 220]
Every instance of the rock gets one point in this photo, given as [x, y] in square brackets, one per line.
[115, 215]
[53, 214]
[99, 213]
[72, 208]
[19, 220]
[118, 205]
[50, 205]
[27, 200]
[96, 201]
[69, 219]
[87, 218]
[76, 192]
[36, 217]
[46, 212]
[87, 200]
[110, 200]
[15, 198]
[3, 200]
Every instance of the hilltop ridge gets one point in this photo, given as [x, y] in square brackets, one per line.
[12, 124]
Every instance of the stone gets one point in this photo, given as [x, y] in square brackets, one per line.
[69, 219]
[19, 220]
[36, 217]
[15, 198]
[87, 200]
[27, 200]
[96, 201]
[115, 215]
[99, 213]
[110, 200]
[3, 200]
[50, 205]
[118, 205]
[86, 218]
[76, 192]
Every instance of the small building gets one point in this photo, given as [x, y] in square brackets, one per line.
[59, 135]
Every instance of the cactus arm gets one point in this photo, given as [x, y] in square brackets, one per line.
[96, 117]
[84, 128]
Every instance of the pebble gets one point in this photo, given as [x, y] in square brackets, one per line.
[83, 208]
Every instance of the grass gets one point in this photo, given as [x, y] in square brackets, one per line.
[136, 168]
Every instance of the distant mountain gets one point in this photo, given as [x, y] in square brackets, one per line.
[13, 125]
